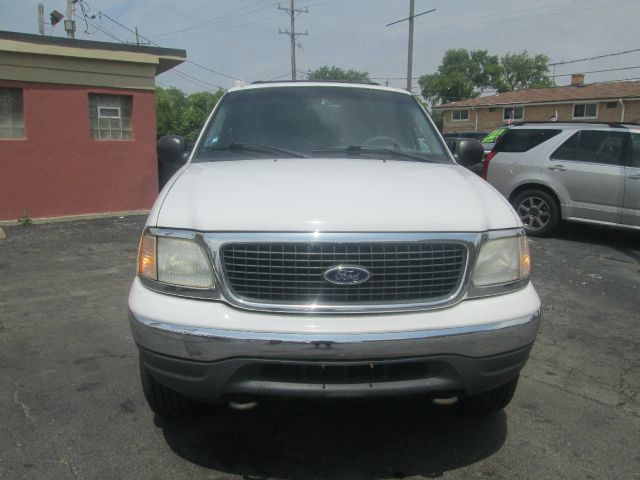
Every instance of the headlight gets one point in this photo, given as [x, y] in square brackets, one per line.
[502, 260]
[174, 261]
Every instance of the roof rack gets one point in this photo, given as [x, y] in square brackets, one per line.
[583, 122]
[257, 82]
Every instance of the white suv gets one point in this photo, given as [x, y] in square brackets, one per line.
[587, 172]
[320, 241]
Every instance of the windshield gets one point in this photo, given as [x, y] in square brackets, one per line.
[319, 121]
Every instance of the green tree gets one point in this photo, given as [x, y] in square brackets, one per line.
[437, 117]
[462, 74]
[170, 103]
[465, 74]
[438, 88]
[179, 114]
[485, 70]
[197, 109]
[523, 71]
[336, 73]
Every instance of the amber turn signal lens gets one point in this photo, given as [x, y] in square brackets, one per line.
[147, 266]
[525, 257]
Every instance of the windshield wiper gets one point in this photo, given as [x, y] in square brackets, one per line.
[253, 147]
[358, 149]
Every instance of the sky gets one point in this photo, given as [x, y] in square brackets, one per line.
[239, 39]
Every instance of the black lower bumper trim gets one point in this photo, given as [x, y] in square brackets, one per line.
[432, 375]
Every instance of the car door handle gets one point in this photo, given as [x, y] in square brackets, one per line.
[557, 168]
[635, 177]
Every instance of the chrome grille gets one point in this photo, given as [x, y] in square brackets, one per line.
[292, 273]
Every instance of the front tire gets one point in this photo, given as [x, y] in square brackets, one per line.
[162, 400]
[492, 400]
[538, 211]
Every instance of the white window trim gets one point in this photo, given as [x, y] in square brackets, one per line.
[573, 111]
[504, 110]
[100, 107]
[461, 119]
[111, 111]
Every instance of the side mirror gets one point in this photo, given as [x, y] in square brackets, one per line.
[468, 152]
[172, 149]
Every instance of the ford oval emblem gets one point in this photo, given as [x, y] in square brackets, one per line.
[347, 275]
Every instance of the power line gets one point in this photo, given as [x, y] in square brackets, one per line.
[550, 76]
[231, 27]
[195, 80]
[456, 99]
[595, 58]
[468, 16]
[486, 11]
[211, 70]
[445, 21]
[495, 19]
[183, 75]
[596, 71]
[621, 80]
[313, 5]
[219, 19]
[280, 76]
[100, 28]
[100, 13]
[84, 9]
[411, 17]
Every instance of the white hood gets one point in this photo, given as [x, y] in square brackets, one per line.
[330, 195]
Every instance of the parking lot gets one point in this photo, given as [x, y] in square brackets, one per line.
[71, 405]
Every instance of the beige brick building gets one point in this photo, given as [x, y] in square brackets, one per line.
[602, 102]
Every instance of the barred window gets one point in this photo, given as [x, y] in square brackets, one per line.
[11, 113]
[110, 116]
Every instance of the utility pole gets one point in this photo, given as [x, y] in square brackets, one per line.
[137, 42]
[411, 17]
[292, 32]
[41, 19]
[412, 6]
[70, 23]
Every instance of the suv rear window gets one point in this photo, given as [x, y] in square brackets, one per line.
[521, 140]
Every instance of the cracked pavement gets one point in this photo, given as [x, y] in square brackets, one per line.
[72, 408]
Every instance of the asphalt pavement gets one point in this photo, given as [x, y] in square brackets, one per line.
[71, 406]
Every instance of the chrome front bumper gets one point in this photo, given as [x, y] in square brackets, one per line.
[209, 364]
[211, 345]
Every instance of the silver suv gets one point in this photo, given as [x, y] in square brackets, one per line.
[584, 172]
